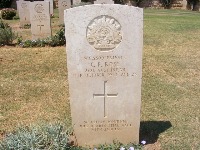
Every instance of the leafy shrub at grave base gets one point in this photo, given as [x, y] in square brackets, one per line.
[8, 13]
[7, 36]
[51, 136]
[45, 136]
[27, 26]
[57, 40]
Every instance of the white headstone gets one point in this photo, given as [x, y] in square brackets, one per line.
[40, 19]
[104, 60]
[24, 12]
[76, 2]
[62, 5]
[51, 6]
[104, 2]
[184, 3]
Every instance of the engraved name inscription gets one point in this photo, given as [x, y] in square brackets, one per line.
[104, 33]
[104, 66]
[40, 17]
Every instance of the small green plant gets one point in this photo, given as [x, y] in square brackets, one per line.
[8, 13]
[19, 40]
[7, 36]
[57, 40]
[32, 43]
[3, 25]
[27, 26]
[45, 136]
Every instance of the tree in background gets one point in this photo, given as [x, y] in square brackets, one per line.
[193, 5]
[5, 3]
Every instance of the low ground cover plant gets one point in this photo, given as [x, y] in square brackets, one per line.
[51, 137]
[45, 136]
[57, 40]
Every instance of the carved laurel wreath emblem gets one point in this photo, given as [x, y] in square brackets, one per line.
[104, 33]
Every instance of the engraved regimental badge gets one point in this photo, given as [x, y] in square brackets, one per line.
[39, 8]
[104, 33]
[24, 5]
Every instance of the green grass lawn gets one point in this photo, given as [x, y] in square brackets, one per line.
[171, 76]
[34, 87]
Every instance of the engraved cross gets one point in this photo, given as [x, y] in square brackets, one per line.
[104, 95]
[40, 27]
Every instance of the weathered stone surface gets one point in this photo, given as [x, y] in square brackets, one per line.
[24, 12]
[104, 2]
[62, 5]
[40, 19]
[184, 3]
[51, 6]
[104, 60]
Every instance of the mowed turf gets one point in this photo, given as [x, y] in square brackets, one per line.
[34, 87]
[171, 78]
